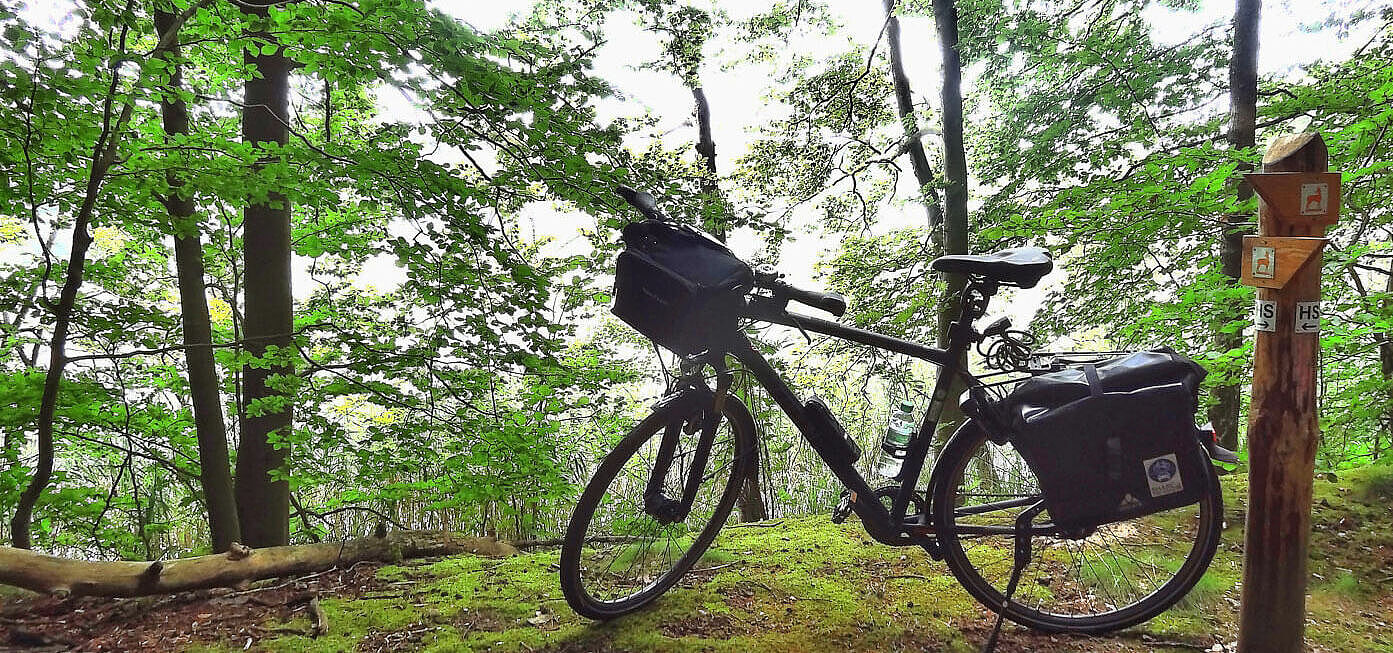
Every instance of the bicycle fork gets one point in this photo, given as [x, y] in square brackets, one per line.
[706, 415]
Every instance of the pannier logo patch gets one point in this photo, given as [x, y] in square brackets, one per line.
[1163, 475]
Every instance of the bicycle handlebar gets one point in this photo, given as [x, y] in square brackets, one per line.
[832, 302]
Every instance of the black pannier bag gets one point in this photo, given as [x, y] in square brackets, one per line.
[1112, 441]
[679, 286]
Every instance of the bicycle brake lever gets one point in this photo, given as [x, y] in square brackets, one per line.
[800, 328]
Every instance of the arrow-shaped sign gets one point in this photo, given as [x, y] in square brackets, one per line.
[1271, 261]
[1312, 197]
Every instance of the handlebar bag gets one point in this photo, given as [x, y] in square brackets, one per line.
[1112, 441]
[679, 286]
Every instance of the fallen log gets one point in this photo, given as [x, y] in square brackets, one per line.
[71, 577]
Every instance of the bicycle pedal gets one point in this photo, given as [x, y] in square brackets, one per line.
[842, 510]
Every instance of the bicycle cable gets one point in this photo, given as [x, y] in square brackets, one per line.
[1009, 352]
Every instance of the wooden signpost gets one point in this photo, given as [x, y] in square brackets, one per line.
[1299, 199]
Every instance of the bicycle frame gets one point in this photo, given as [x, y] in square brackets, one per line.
[889, 527]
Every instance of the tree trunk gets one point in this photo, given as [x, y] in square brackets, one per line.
[954, 157]
[263, 503]
[103, 152]
[1243, 94]
[955, 195]
[751, 496]
[904, 102]
[215, 469]
[752, 506]
[710, 185]
[1385, 358]
[48, 404]
[66, 576]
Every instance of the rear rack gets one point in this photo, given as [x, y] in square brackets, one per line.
[993, 389]
[1042, 362]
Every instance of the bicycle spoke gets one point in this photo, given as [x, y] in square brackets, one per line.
[1110, 569]
[627, 552]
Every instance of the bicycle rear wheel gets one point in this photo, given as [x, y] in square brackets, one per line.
[618, 556]
[1119, 575]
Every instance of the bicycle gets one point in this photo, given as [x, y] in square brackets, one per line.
[658, 500]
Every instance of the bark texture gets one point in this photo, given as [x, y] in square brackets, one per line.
[904, 105]
[263, 503]
[955, 195]
[1243, 107]
[954, 157]
[65, 576]
[215, 474]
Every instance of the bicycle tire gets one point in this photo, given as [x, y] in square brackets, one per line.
[576, 546]
[1088, 601]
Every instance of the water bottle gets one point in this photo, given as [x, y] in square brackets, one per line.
[896, 443]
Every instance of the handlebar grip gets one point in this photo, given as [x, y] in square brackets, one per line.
[832, 302]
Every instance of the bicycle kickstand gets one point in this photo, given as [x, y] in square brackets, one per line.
[1022, 558]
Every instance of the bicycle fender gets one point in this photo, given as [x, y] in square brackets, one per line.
[692, 398]
[960, 438]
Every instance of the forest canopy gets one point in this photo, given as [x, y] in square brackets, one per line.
[283, 272]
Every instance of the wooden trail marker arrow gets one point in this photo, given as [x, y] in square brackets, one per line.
[1311, 197]
[1272, 261]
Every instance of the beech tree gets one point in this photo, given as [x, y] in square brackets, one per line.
[205, 389]
[913, 144]
[1242, 136]
[263, 494]
[114, 120]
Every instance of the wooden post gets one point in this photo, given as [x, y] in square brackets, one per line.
[1282, 426]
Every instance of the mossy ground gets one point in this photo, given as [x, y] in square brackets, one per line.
[806, 584]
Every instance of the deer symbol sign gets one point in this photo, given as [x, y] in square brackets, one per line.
[1264, 262]
[1315, 199]
[1299, 197]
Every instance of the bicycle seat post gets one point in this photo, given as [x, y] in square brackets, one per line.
[971, 307]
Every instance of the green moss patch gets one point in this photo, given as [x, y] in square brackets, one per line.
[805, 584]
[1372, 484]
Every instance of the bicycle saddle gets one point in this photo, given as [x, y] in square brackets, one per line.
[1019, 266]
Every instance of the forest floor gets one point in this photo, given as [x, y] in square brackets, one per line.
[790, 585]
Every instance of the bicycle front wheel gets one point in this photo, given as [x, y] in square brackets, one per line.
[622, 552]
[1119, 575]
